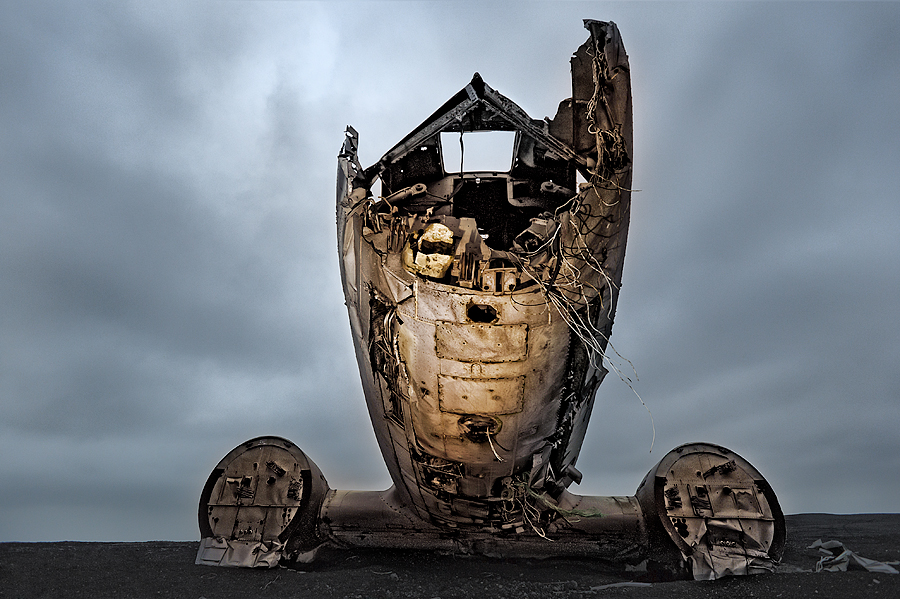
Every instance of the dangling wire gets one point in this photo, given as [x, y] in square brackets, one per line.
[462, 148]
[491, 443]
[570, 288]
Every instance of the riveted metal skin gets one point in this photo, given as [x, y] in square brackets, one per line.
[480, 375]
[260, 503]
[715, 510]
[481, 303]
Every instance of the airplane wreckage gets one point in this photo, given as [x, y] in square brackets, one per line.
[481, 303]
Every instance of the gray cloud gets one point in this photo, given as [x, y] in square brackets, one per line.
[168, 257]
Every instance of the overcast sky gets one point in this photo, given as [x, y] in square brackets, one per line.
[169, 285]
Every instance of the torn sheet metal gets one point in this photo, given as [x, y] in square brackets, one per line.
[482, 300]
[837, 558]
[717, 561]
[717, 509]
[238, 554]
[260, 502]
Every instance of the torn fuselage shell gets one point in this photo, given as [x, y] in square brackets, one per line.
[481, 302]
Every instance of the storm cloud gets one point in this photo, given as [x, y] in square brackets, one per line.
[169, 283]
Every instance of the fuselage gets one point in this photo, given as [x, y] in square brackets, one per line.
[481, 302]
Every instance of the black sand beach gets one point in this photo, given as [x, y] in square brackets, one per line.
[166, 569]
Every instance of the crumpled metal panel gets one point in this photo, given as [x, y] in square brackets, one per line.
[837, 558]
[717, 509]
[230, 553]
[259, 503]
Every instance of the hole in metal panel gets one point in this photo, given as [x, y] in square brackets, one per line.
[481, 313]
[477, 428]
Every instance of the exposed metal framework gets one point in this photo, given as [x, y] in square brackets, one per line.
[481, 305]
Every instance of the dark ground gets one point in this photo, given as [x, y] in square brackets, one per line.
[166, 569]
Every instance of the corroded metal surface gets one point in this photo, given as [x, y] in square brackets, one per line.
[716, 508]
[482, 301]
[260, 503]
